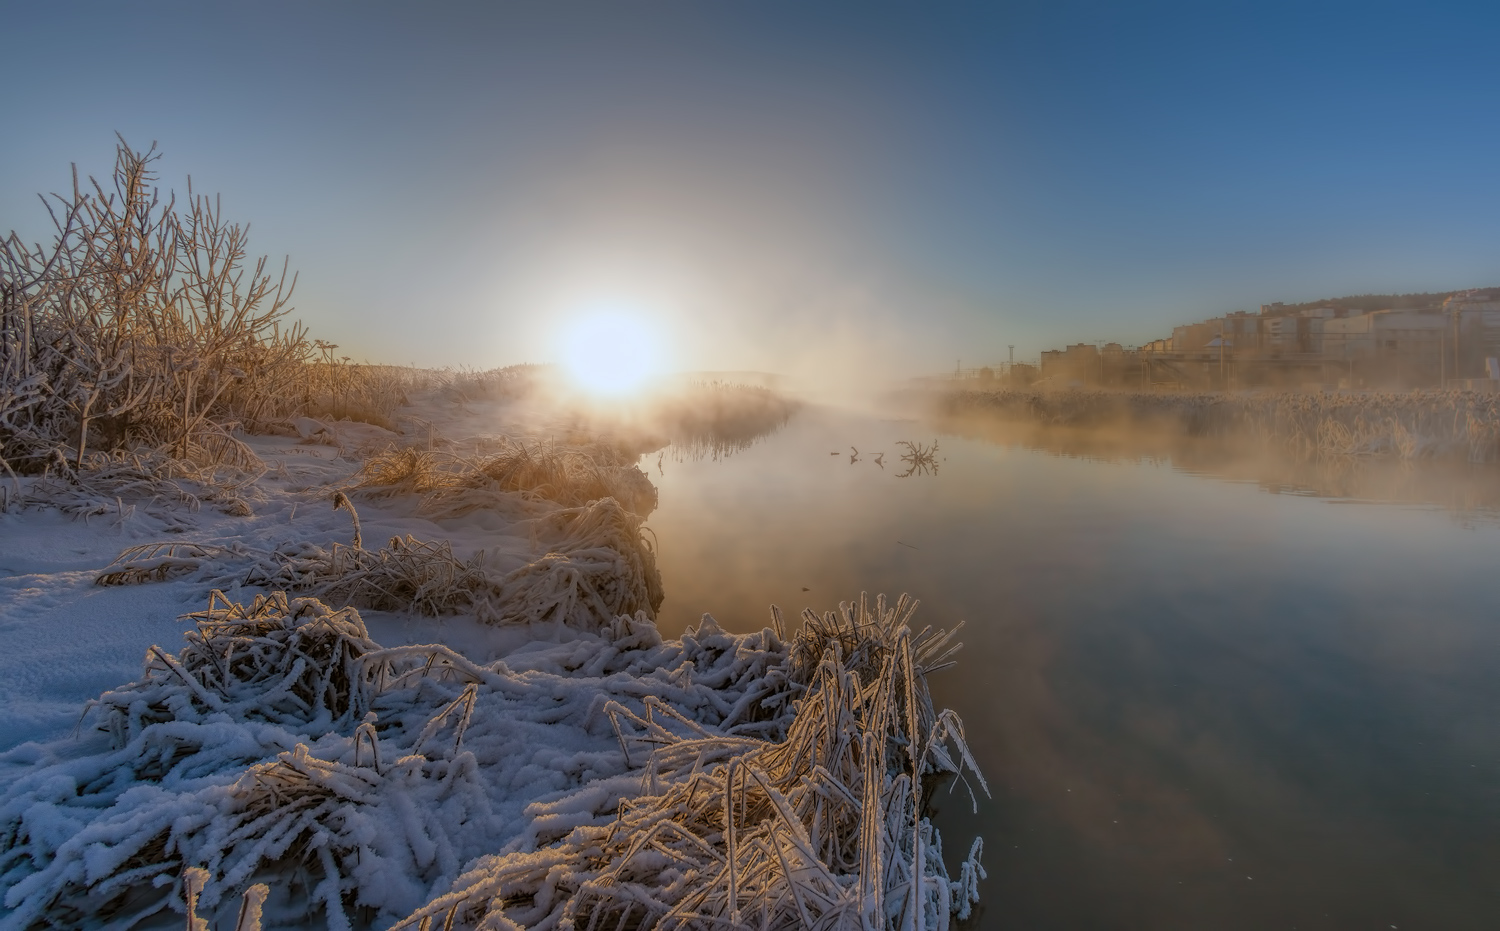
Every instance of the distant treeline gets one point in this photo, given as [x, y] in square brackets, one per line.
[1368, 302]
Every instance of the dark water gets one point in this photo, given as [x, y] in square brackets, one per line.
[1201, 701]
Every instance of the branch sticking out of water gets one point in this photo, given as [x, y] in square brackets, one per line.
[919, 459]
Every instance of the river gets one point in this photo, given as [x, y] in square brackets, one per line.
[1202, 697]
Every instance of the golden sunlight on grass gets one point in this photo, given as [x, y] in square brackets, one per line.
[611, 354]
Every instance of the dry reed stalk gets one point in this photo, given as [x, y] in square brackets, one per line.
[120, 482]
[720, 418]
[402, 471]
[509, 383]
[194, 879]
[407, 575]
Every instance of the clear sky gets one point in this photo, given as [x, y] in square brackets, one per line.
[787, 185]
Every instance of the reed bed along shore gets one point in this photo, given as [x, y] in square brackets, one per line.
[697, 419]
[719, 418]
[1406, 426]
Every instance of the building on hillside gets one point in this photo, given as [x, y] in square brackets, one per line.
[1296, 332]
[1472, 324]
[1080, 362]
[1396, 348]
[1118, 365]
[1303, 347]
[1195, 337]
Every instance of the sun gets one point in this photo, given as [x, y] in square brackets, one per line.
[611, 353]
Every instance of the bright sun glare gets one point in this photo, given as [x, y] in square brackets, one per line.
[610, 354]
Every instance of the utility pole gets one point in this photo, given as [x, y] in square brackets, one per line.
[1223, 381]
[1456, 372]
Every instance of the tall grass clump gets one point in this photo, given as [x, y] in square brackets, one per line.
[713, 418]
[333, 387]
[502, 384]
[571, 476]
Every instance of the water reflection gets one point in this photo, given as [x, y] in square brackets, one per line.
[1467, 489]
[714, 421]
[1198, 704]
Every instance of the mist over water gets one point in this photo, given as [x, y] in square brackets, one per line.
[1207, 690]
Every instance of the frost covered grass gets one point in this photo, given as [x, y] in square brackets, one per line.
[597, 566]
[618, 778]
[1406, 426]
[509, 383]
[819, 828]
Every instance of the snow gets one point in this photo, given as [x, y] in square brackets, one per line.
[365, 764]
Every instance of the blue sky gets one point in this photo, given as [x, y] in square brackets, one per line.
[789, 185]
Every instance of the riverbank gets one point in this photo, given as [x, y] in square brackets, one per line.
[476, 721]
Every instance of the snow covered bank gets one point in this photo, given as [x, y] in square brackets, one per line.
[474, 725]
[734, 777]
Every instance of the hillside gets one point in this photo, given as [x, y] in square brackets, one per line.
[1369, 302]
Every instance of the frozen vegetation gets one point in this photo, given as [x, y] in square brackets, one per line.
[420, 683]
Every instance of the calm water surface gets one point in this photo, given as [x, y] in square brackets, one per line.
[1199, 703]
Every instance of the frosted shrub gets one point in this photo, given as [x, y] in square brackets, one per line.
[139, 325]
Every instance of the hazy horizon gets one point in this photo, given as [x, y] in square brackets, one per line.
[787, 188]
